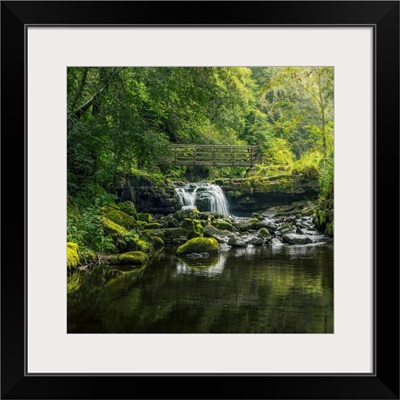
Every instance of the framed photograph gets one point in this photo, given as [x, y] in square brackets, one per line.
[210, 200]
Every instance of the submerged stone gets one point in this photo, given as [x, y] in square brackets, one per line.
[197, 255]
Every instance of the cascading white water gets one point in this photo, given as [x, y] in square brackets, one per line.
[186, 198]
[205, 195]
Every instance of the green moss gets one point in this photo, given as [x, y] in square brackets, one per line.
[129, 258]
[152, 225]
[158, 243]
[199, 245]
[87, 256]
[119, 217]
[223, 224]
[180, 215]
[127, 240]
[264, 232]
[156, 232]
[112, 229]
[128, 208]
[141, 245]
[234, 194]
[73, 257]
[194, 227]
[145, 217]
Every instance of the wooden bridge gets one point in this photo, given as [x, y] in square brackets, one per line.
[214, 155]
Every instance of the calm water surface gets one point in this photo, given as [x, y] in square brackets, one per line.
[265, 289]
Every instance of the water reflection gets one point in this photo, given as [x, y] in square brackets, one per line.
[211, 266]
[261, 289]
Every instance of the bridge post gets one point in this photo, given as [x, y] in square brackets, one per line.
[213, 156]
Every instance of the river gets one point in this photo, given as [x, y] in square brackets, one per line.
[261, 289]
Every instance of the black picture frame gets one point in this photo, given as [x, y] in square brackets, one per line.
[383, 383]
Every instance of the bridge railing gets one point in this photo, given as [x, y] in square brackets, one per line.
[212, 155]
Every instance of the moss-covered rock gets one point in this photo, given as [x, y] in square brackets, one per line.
[151, 225]
[145, 217]
[222, 236]
[180, 215]
[126, 240]
[113, 229]
[119, 217]
[223, 224]
[169, 221]
[172, 233]
[129, 258]
[139, 244]
[128, 208]
[87, 256]
[158, 243]
[264, 232]
[199, 245]
[73, 256]
[194, 227]
[156, 232]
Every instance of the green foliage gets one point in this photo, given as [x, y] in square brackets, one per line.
[122, 120]
[85, 228]
[326, 179]
[279, 153]
[308, 165]
[72, 255]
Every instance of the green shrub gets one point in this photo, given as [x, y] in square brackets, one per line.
[72, 255]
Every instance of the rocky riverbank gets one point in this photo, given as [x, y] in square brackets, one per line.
[138, 236]
[255, 194]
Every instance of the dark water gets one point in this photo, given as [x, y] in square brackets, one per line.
[266, 289]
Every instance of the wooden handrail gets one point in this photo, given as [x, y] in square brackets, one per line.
[212, 155]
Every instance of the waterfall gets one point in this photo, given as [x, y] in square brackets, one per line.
[204, 197]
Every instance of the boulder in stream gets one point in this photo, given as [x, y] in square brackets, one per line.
[295, 238]
[198, 245]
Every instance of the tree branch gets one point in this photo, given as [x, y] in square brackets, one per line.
[81, 85]
[84, 107]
